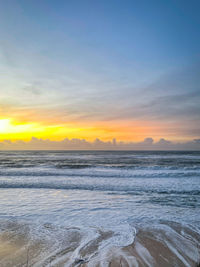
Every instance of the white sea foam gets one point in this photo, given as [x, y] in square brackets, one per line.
[87, 207]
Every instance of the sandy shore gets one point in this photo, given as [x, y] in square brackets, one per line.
[148, 250]
[167, 245]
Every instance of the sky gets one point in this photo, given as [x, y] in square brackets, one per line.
[91, 69]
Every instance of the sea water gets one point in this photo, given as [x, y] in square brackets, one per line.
[71, 207]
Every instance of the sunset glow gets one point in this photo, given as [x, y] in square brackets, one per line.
[109, 75]
[99, 133]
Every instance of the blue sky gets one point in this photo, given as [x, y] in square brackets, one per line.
[102, 61]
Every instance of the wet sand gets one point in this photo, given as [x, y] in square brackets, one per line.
[168, 245]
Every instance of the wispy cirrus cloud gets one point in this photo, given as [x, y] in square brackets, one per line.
[81, 69]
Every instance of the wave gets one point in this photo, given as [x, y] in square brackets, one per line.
[109, 163]
[96, 187]
[101, 159]
[102, 172]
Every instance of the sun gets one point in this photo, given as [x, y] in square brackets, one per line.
[10, 127]
[19, 130]
[4, 125]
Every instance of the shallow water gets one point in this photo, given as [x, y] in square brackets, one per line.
[66, 208]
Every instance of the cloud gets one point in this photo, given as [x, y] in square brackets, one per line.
[97, 144]
[56, 93]
[174, 95]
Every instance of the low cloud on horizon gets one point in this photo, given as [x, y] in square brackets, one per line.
[97, 144]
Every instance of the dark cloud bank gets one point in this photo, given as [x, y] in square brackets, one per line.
[82, 144]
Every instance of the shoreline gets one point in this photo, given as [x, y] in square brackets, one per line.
[168, 245]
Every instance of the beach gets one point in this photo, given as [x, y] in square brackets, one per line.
[99, 208]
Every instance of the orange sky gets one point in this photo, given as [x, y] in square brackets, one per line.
[119, 72]
[124, 130]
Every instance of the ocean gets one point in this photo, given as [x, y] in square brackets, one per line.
[99, 208]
